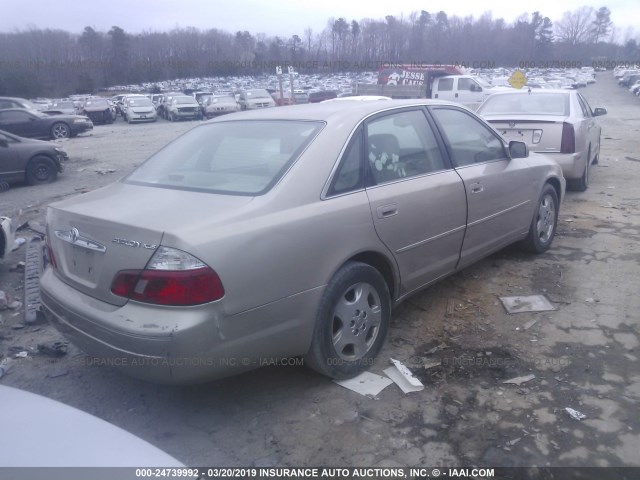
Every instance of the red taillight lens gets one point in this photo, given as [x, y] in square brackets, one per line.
[169, 287]
[568, 142]
[52, 258]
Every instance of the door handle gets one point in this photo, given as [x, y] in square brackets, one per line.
[385, 211]
[456, 95]
[476, 188]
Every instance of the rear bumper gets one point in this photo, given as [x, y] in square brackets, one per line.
[179, 345]
[186, 114]
[572, 164]
[142, 117]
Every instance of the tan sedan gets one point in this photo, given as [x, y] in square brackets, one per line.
[276, 233]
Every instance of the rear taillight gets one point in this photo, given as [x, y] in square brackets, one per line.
[568, 142]
[50, 255]
[172, 277]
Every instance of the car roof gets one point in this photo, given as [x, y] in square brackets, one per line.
[534, 91]
[330, 111]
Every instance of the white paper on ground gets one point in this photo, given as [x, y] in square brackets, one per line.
[403, 377]
[532, 303]
[366, 383]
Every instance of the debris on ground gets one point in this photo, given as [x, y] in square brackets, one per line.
[22, 354]
[531, 303]
[54, 349]
[403, 377]
[367, 383]
[633, 159]
[18, 267]
[520, 380]
[4, 301]
[17, 243]
[575, 414]
[15, 305]
[529, 324]
[431, 364]
[104, 171]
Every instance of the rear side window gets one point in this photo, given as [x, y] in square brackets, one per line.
[445, 84]
[234, 158]
[349, 176]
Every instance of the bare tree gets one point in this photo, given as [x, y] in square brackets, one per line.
[575, 27]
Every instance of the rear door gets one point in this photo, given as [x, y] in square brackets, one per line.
[417, 200]
[589, 129]
[499, 191]
[11, 167]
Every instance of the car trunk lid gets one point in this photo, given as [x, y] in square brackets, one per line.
[542, 134]
[94, 236]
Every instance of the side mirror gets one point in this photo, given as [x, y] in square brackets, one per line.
[599, 112]
[518, 149]
[476, 88]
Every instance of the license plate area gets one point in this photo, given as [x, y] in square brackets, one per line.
[81, 264]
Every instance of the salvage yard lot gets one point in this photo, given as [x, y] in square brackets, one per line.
[455, 336]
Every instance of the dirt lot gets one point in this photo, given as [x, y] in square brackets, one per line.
[584, 355]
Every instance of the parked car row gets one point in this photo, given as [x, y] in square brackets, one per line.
[629, 78]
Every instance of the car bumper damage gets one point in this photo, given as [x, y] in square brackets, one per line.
[199, 345]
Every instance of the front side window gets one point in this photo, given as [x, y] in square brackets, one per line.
[233, 158]
[468, 140]
[465, 83]
[401, 145]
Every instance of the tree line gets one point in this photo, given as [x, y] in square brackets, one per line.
[53, 62]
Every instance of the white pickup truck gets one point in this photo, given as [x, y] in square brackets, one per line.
[443, 82]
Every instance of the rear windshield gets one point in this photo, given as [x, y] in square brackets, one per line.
[233, 158]
[526, 104]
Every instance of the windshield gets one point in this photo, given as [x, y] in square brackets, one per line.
[234, 158]
[483, 83]
[63, 105]
[258, 94]
[185, 100]
[139, 102]
[96, 103]
[526, 104]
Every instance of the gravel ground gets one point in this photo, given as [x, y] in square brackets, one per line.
[455, 335]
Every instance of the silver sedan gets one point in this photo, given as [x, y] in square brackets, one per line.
[264, 235]
[558, 123]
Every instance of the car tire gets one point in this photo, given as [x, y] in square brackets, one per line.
[60, 130]
[41, 169]
[351, 323]
[544, 222]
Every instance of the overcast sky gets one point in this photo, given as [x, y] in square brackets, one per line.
[272, 17]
